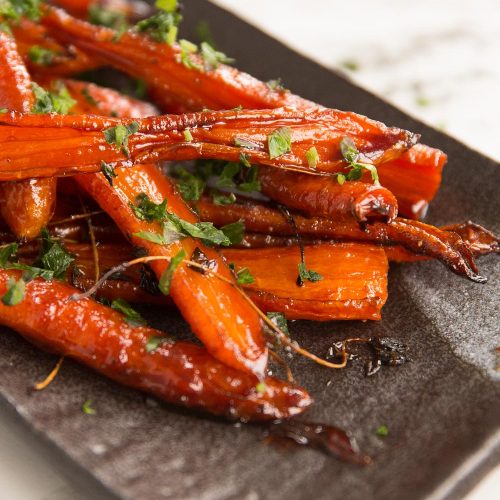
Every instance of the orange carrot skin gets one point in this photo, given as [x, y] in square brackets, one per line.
[177, 372]
[354, 284]
[26, 206]
[325, 197]
[130, 9]
[212, 135]
[216, 312]
[415, 177]
[417, 237]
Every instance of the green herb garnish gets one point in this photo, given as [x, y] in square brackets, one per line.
[119, 136]
[222, 199]
[154, 342]
[243, 275]
[3, 111]
[234, 232]
[279, 142]
[162, 26]
[212, 58]
[261, 388]
[188, 136]
[100, 16]
[312, 157]
[88, 97]
[190, 186]
[132, 317]
[351, 156]
[108, 171]
[41, 56]
[53, 256]
[15, 291]
[382, 431]
[244, 143]
[279, 320]
[308, 274]
[204, 33]
[168, 274]
[188, 49]
[57, 101]
[276, 84]
[87, 408]
[13, 10]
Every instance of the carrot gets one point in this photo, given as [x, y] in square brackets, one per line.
[417, 237]
[220, 135]
[177, 372]
[325, 197]
[26, 206]
[130, 9]
[414, 179]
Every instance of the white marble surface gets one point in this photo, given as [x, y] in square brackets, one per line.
[436, 59]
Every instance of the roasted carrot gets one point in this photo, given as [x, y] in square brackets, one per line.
[28, 205]
[417, 237]
[414, 179]
[354, 284]
[220, 135]
[131, 9]
[177, 372]
[325, 197]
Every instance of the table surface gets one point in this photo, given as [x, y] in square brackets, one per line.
[434, 60]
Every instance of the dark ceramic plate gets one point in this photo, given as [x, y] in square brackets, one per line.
[441, 410]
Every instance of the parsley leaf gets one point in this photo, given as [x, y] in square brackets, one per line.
[234, 232]
[279, 142]
[351, 156]
[276, 84]
[7, 252]
[154, 342]
[244, 143]
[382, 431]
[212, 58]
[108, 171]
[222, 199]
[243, 275]
[132, 317]
[57, 101]
[87, 408]
[88, 97]
[119, 136]
[308, 274]
[41, 56]
[279, 320]
[312, 157]
[188, 136]
[168, 274]
[15, 291]
[101, 16]
[190, 186]
[145, 209]
[251, 181]
[15, 9]
[226, 177]
[186, 53]
[53, 256]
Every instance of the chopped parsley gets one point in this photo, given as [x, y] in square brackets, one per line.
[251, 182]
[154, 342]
[13, 10]
[15, 291]
[174, 228]
[244, 160]
[279, 142]
[162, 26]
[222, 199]
[382, 431]
[119, 136]
[276, 84]
[243, 275]
[41, 56]
[312, 157]
[187, 50]
[188, 136]
[261, 388]
[204, 33]
[279, 320]
[351, 156]
[132, 317]
[57, 101]
[308, 274]
[212, 58]
[108, 170]
[168, 274]
[101, 16]
[53, 256]
[244, 143]
[190, 186]
[87, 408]
[3, 111]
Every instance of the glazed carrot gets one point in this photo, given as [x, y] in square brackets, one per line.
[414, 179]
[325, 197]
[66, 59]
[24, 140]
[354, 284]
[417, 237]
[28, 205]
[131, 9]
[177, 372]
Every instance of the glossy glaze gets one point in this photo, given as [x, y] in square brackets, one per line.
[28, 205]
[177, 372]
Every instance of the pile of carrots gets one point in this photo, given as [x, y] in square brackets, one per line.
[94, 219]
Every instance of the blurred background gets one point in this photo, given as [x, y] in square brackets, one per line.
[438, 60]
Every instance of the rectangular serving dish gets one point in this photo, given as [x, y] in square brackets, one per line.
[441, 409]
